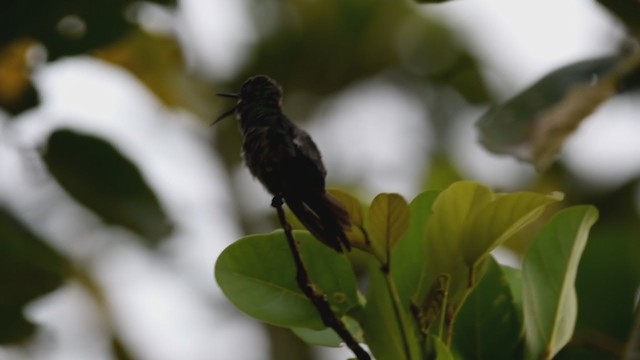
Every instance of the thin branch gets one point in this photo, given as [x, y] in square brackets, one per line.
[317, 298]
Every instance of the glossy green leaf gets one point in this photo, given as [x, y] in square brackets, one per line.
[388, 221]
[443, 255]
[488, 326]
[29, 268]
[549, 271]
[383, 331]
[257, 274]
[407, 258]
[98, 176]
[498, 220]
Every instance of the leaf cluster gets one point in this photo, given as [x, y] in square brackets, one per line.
[433, 288]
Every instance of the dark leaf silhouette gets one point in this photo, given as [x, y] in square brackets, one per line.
[102, 179]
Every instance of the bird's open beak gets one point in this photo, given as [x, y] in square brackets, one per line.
[228, 112]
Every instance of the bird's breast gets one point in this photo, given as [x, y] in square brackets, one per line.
[265, 151]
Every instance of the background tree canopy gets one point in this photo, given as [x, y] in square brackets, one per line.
[116, 197]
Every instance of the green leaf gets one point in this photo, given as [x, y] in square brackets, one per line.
[450, 212]
[328, 337]
[488, 326]
[257, 274]
[407, 258]
[388, 221]
[29, 268]
[354, 207]
[514, 279]
[549, 270]
[383, 331]
[99, 177]
[325, 337]
[499, 220]
[615, 247]
[442, 351]
[509, 126]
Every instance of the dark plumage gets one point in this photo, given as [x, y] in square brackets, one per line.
[287, 161]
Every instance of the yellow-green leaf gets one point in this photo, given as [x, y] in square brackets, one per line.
[388, 221]
[350, 203]
[499, 220]
[353, 206]
[451, 211]
[549, 271]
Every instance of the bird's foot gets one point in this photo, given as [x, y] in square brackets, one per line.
[277, 201]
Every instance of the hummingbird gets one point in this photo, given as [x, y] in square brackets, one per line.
[284, 158]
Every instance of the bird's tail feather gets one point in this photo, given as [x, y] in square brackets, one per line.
[323, 216]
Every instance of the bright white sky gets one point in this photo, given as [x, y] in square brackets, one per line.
[165, 310]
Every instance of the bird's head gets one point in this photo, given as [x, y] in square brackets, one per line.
[259, 90]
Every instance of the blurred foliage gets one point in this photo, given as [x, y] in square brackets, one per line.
[534, 124]
[102, 179]
[16, 90]
[66, 27]
[357, 39]
[29, 268]
[626, 11]
[157, 61]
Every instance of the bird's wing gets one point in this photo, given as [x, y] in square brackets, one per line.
[307, 162]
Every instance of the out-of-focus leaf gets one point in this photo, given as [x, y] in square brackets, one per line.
[382, 329]
[388, 221]
[354, 207]
[633, 347]
[98, 176]
[66, 27]
[29, 268]
[488, 325]
[533, 125]
[549, 270]
[407, 258]
[357, 42]
[157, 62]
[450, 65]
[627, 11]
[17, 93]
[257, 274]
[441, 173]
[508, 128]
